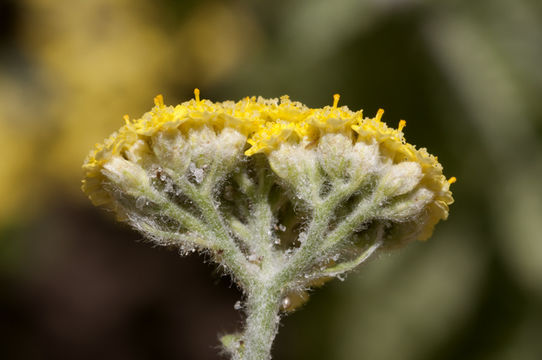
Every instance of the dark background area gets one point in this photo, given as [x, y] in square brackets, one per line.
[465, 75]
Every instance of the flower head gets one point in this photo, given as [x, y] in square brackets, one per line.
[306, 149]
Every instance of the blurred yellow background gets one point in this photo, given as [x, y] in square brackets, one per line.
[465, 75]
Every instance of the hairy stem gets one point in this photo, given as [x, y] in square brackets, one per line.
[231, 254]
[263, 306]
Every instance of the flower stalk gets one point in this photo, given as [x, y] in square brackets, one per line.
[283, 197]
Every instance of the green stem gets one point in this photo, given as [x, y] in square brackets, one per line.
[306, 254]
[232, 255]
[309, 251]
[263, 306]
[364, 211]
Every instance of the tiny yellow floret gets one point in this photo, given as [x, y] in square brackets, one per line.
[452, 180]
[402, 124]
[159, 100]
[379, 114]
[336, 98]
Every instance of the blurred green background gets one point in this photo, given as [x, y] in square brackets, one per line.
[466, 75]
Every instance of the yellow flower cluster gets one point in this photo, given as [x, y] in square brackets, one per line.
[267, 123]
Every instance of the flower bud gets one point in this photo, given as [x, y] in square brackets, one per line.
[400, 179]
[229, 145]
[206, 146]
[203, 145]
[298, 167]
[364, 159]
[335, 154]
[407, 207]
[171, 150]
[127, 176]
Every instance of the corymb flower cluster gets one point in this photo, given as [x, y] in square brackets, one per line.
[285, 197]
